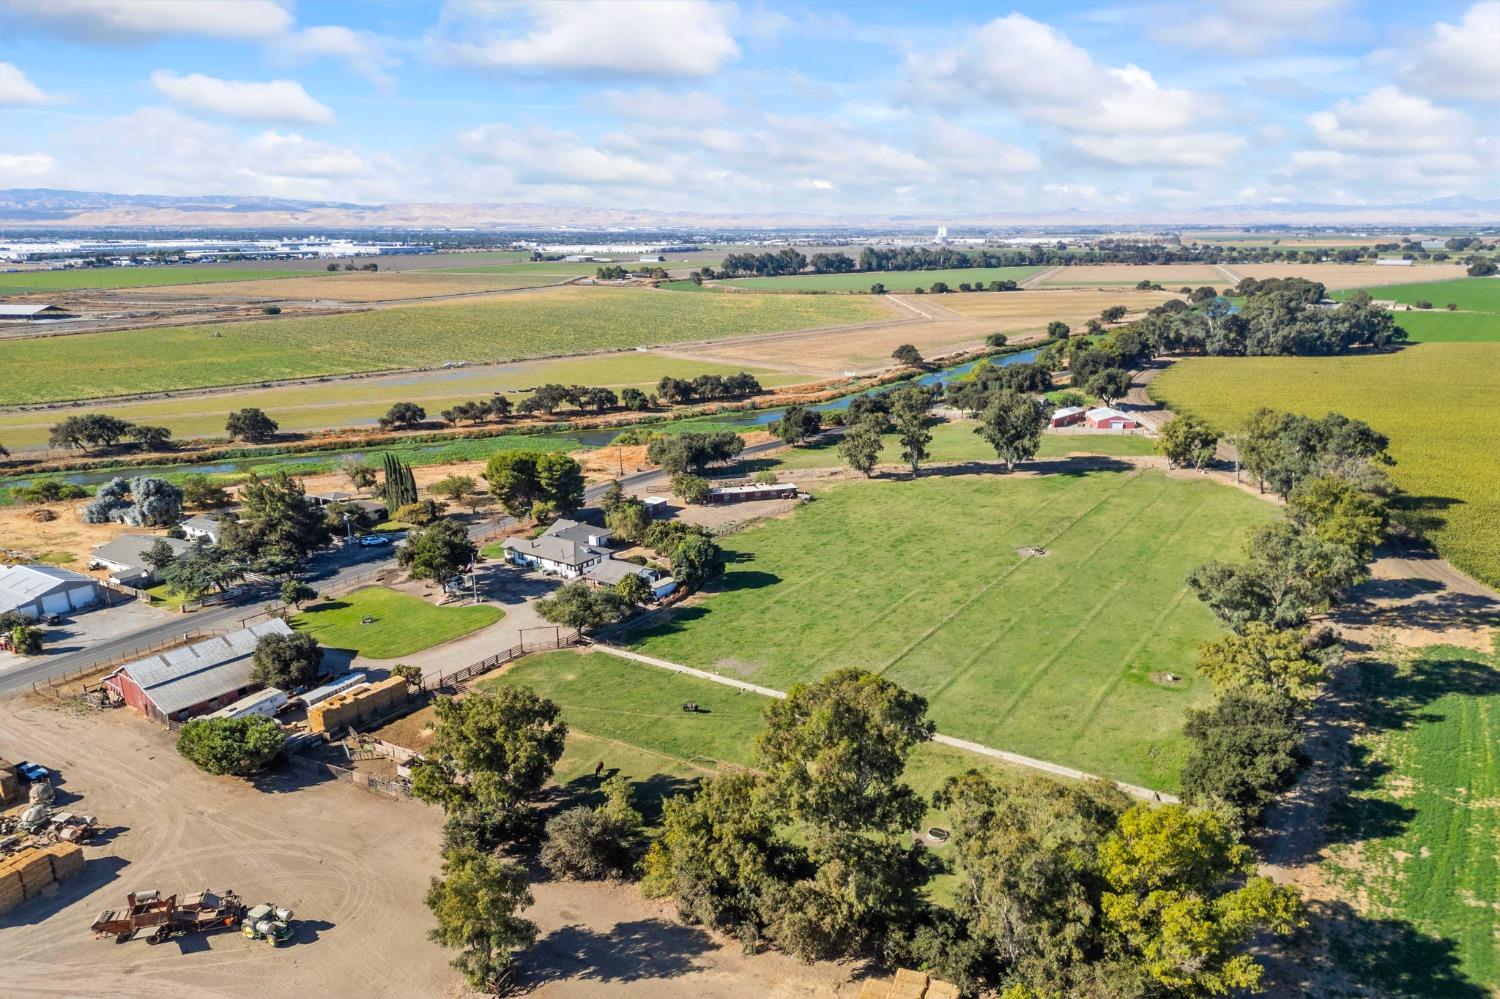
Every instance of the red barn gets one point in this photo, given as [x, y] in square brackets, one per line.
[1067, 416]
[182, 683]
[1105, 418]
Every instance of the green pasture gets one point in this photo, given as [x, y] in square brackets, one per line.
[1060, 657]
[954, 441]
[897, 281]
[403, 624]
[508, 328]
[101, 278]
[351, 402]
[629, 716]
[1417, 844]
[1438, 402]
[1442, 326]
[1469, 294]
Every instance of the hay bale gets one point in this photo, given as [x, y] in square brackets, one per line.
[872, 989]
[41, 515]
[36, 873]
[941, 990]
[67, 859]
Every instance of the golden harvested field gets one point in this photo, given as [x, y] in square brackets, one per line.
[1339, 276]
[957, 322]
[1016, 311]
[359, 401]
[381, 287]
[1172, 276]
[65, 541]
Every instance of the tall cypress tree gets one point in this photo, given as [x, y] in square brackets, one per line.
[400, 486]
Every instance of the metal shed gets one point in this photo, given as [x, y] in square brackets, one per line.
[35, 590]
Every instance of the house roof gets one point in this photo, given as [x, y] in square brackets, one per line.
[202, 522]
[576, 531]
[1108, 413]
[183, 677]
[21, 584]
[753, 488]
[1067, 411]
[612, 570]
[555, 549]
[130, 549]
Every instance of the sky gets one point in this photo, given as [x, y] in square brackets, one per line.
[693, 105]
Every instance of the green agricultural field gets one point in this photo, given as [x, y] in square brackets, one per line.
[546, 268]
[1438, 402]
[100, 278]
[1442, 326]
[957, 441]
[1060, 657]
[320, 405]
[1416, 848]
[477, 330]
[898, 281]
[629, 716]
[1469, 294]
[403, 624]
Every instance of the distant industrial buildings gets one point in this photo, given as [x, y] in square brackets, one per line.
[126, 252]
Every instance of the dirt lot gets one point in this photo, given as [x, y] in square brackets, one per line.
[352, 864]
[66, 541]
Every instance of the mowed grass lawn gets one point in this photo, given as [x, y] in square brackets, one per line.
[956, 441]
[922, 582]
[1477, 294]
[99, 278]
[1438, 402]
[403, 624]
[506, 328]
[629, 716]
[1417, 845]
[1450, 327]
[897, 281]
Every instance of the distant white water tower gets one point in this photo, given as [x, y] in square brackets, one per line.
[942, 234]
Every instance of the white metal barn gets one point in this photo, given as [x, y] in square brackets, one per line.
[35, 590]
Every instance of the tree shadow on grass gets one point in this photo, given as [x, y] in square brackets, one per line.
[1076, 466]
[1389, 958]
[633, 951]
[648, 793]
[326, 605]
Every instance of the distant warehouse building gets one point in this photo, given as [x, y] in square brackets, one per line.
[183, 683]
[33, 313]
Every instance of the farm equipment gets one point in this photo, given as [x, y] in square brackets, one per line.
[166, 918]
[267, 922]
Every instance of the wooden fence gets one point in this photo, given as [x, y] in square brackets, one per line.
[50, 684]
[458, 680]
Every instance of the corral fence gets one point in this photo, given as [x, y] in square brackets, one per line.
[52, 686]
[549, 640]
[370, 782]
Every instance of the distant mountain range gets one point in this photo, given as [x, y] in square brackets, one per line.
[38, 207]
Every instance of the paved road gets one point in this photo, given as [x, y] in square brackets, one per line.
[330, 569]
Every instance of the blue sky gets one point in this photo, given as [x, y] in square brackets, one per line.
[702, 106]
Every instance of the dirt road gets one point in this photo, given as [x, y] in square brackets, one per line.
[352, 865]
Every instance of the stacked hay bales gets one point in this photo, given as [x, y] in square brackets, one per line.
[358, 706]
[908, 984]
[27, 874]
[10, 784]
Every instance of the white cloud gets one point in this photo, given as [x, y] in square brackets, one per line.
[1388, 120]
[1459, 60]
[1245, 27]
[1197, 150]
[273, 100]
[365, 52]
[158, 150]
[133, 21]
[629, 37]
[538, 155]
[655, 104]
[24, 169]
[1039, 74]
[16, 88]
[967, 153]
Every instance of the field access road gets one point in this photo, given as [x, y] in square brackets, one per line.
[330, 569]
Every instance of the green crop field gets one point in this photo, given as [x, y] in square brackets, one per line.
[507, 328]
[898, 281]
[403, 624]
[1469, 294]
[1442, 326]
[1438, 402]
[552, 268]
[923, 581]
[99, 278]
[629, 716]
[956, 441]
[319, 405]
[1417, 845]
